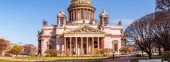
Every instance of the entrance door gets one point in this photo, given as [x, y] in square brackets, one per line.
[84, 49]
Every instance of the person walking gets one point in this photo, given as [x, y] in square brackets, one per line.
[113, 56]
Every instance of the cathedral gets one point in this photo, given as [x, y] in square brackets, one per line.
[81, 33]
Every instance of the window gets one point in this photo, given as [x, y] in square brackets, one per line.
[115, 45]
[78, 14]
[61, 21]
[105, 21]
[51, 45]
[82, 15]
[95, 44]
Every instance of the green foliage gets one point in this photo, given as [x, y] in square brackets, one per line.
[52, 52]
[119, 23]
[16, 50]
[32, 54]
[166, 55]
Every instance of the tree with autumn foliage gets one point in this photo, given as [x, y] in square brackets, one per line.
[29, 49]
[124, 50]
[16, 50]
[3, 46]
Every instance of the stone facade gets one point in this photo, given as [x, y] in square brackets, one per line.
[81, 34]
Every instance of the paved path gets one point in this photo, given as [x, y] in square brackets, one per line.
[121, 59]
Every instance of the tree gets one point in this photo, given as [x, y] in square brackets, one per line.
[3, 46]
[16, 50]
[140, 33]
[120, 23]
[131, 49]
[124, 50]
[161, 28]
[152, 30]
[29, 48]
[166, 56]
[163, 5]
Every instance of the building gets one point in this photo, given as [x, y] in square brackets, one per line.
[82, 33]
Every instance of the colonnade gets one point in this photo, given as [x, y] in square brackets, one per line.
[82, 45]
[79, 14]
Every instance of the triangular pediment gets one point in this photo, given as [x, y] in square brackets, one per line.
[85, 29]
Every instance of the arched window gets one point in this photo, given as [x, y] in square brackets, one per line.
[78, 14]
[61, 21]
[115, 45]
[105, 21]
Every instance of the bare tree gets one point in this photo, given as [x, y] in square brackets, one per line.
[140, 33]
[161, 29]
[162, 5]
[152, 30]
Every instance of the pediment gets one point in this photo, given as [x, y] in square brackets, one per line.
[85, 29]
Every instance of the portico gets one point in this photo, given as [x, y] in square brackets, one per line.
[83, 41]
[82, 45]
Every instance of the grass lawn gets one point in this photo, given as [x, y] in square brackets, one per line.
[60, 58]
[140, 58]
[1, 60]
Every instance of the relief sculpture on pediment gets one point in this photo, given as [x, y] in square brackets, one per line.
[86, 29]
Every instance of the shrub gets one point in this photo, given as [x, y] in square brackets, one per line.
[8, 55]
[52, 52]
[47, 56]
[166, 55]
[32, 54]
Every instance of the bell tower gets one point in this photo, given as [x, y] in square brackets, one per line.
[61, 19]
[104, 18]
[81, 10]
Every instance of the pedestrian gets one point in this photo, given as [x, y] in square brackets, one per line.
[113, 56]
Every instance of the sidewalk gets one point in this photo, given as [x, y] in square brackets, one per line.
[121, 59]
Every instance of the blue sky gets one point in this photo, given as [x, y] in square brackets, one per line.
[20, 20]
